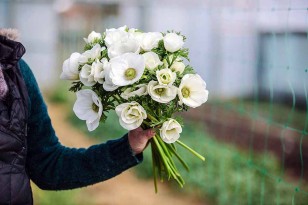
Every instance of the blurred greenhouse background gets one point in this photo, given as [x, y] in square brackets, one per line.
[253, 55]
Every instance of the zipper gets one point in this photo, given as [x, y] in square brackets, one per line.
[26, 130]
[12, 135]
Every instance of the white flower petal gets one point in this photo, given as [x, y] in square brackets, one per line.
[130, 115]
[196, 99]
[178, 67]
[140, 90]
[161, 93]
[152, 60]
[86, 75]
[170, 131]
[108, 85]
[91, 55]
[126, 126]
[165, 76]
[129, 45]
[114, 36]
[119, 65]
[70, 67]
[173, 42]
[98, 70]
[92, 125]
[150, 40]
[93, 36]
[196, 88]
[83, 108]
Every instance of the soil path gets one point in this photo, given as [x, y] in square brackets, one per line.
[125, 189]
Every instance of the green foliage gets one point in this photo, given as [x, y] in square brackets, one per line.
[76, 86]
[88, 46]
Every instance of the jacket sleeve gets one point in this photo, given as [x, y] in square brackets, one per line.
[55, 167]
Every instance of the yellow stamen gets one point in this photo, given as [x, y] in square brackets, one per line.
[185, 92]
[130, 73]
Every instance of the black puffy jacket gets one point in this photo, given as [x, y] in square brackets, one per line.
[14, 181]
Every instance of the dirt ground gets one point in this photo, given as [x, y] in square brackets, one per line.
[125, 189]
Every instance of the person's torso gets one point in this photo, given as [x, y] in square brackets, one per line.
[14, 181]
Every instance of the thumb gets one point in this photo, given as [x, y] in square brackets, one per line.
[149, 133]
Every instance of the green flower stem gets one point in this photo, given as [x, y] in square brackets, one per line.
[169, 156]
[159, 111]
[159, 165]
[155, 156]
[153, 119]
[154, 167]
[173, 146]
[117, 98]
[162, 155]
[177, 176]
[191, 150]
[173, 170]
[157, 125]
[178, 156]
[146, 123]
[163, 145]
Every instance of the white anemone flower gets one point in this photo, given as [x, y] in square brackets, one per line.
[98, 70]
[93, 37]
[178, 67]
[88, 107]
[90, 56]
[150, 40]
[152, 60]
[129, 45]
[161, 93]
[140, 90]
[173, 42]
[108, 85]
[70, 67]
[165, 76]
[115, 35]
[170, 131]
[192, 90]
[86, 75]
[131, 115]
[126, 69]
[135, 34]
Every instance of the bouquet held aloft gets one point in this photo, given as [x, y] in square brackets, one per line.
[144, 78]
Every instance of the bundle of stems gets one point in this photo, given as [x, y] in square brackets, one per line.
[163, 164]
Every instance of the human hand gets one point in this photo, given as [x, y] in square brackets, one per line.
[138, 139]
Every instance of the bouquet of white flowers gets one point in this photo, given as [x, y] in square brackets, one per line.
[143, 77]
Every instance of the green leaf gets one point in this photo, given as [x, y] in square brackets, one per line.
[76, 86]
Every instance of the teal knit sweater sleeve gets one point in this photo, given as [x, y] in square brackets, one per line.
[53, 166]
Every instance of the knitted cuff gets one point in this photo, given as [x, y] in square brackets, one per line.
[122, 153]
